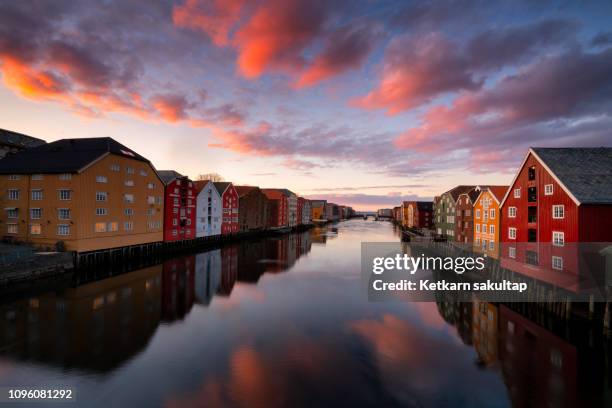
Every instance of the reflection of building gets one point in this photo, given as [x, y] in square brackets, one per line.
[178, 287]
[539, 368]
[208, 275]
[96, 326]
[459, 314]
[229, 270]
[417, 214]
[484, 331]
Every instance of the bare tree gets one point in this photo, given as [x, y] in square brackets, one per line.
[214, 177]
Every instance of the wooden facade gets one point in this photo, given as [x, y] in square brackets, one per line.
[487, 216]
[179, 206]
[113, 200]
[253, 208]
[277, 208]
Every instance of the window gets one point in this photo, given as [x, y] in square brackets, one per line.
[13, 194]
[491, 245]
[477, 227]
[558, 211]
[557, 263]
[174, 222]
[35, 229]
[12, 228]
[511, 212]
[65, 195]
[151, 200]
[101, 211]
[150, 186]
[492, 213]
[548, 189]
[512, 233]
[517, 193]
[174, 233]
[532, 235]
[143, 173]
[531, 173]
[512, 252]
[37, 195]
[100, 227]
[11, 212]
[63, 213]
[115, 167]
[491, 229]
[532, 214]
[150, 211]
[14, 177]
[558, 238]
[35, 213]
[65, 176]
[101, 195]
[129, 183]
[175, 210]
[485, 216]
[531, 257]
[128, 198]
[532, 195]
[129, 170]
[129, 212]
[101, 179]
[159, 200]
[37, 176]
[112, 226]
[63, 229]
[478, 214]
[128, 226]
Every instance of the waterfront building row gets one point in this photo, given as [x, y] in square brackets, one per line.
[95, 193]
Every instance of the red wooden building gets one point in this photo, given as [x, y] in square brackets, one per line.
[230, 208]
[300, 210]
[179, 206]
[277, 208]
[559, 197]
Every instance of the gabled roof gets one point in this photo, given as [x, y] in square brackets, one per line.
[498, 192]
[200, 184]
[245, 190]
[64, 156]
[286, 192]
[167, 176]
[19, 140]
[221, 186]
[273, 193]
[457, 191]
[318, 203]
[584, 173]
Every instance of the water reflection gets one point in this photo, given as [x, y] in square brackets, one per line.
[282, 322]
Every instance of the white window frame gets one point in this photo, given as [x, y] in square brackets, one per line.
[39, 228]
[37, 177]
[101, 211]
[101, 196]
[59, 214]
[128, 198]
[512, 252]
[14, 177]
[511, 233]
[556, 207]
[557, 262]
[63, 229]
[555, 238]
[38, 210]
[64, 194]
[492, 213]
[491, 229]
[548, 189]
[517, 192]
[12, 228]
[511, 212]
[39, 194]
[65, 176]
[101, 179]
[477, 227]
[13, 194]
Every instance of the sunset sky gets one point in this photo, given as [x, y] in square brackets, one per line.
[363, 103]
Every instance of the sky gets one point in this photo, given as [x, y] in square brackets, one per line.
[364, 103]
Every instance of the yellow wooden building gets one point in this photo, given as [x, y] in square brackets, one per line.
[487, 220]
[89, 194]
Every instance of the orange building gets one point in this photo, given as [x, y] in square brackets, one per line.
[82, 195]
[487, 220]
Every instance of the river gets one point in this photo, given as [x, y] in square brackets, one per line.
[284, 322]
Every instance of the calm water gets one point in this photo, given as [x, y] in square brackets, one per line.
[283, 322]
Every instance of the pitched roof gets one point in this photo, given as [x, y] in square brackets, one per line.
[455, 192]
[585, 173]
[200, 184]
[64, 156]
[168, 176]
[272, 193]
[244, 190]
[498, 192]
[19, 140]
[318, 203]
[425, 205]
[287, 192]
[221, 186]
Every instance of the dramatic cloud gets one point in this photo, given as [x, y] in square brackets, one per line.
[557, 95]
[215, 18]
[417, 69]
